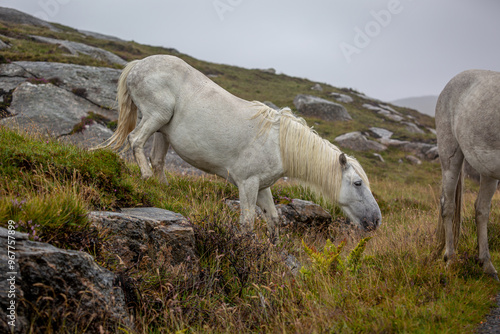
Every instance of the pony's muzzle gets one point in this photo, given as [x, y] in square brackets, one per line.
[371, 224]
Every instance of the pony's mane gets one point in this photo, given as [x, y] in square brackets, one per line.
[305, 155]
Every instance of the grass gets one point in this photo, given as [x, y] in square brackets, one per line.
[242, 284]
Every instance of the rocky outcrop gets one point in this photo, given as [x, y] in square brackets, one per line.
[96, 84]
[76, 48]
[49, 109]
[358, 142]
[344, 98]
[313, 106]
[381, 133]
[298, 212]
[145, 237]
[421, 150]
[15, 16]
[63, 290]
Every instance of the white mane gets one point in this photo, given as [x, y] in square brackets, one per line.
[305, 155]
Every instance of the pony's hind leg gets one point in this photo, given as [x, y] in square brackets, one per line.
[266, 203]
[451, 164]
[483, 204]
[158, 155]
[137, 138]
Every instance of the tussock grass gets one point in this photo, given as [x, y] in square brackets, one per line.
[242, 284]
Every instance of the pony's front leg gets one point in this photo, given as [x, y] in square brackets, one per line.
[158, 155]
[248, 197]
[266, 203]
[483, 205]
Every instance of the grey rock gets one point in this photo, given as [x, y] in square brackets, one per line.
[395, 118]
[412, 127]
[342, 97]
[432, 153]
[146, 236]
[358, 142]
[317, 87]
[291, 262]
[76, 48]
[47, 108]
[419, 149]
[379, 157]
[99, 83]
[431, 130]
[92, 136]
[413, 160]
[313, 106]
[7, 84]
[297, 212]
[269, 70]
[381, 133]
[300, 212]
[372, 107]
[15, 16]
[271, 105]
[79, 293]
[3, 45]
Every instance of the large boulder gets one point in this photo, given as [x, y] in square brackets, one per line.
[56, 289]
[313, 106]
[145, 237]
[358, 142]
[97, 84]
[48, 109]
[76, 48]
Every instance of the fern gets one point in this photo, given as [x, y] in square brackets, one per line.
[329, 262]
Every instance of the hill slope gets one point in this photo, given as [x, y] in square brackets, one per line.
[424, 104]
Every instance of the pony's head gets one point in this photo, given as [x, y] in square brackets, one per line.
[355, 197]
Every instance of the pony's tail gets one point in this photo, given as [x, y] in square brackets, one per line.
[457, 218]
[127, 117]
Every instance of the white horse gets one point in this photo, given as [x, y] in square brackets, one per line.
[248, 143]
[467, 125]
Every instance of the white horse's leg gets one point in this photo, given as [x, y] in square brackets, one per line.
[248, 197]
[137, 138]
[266, 203]
[483, 204]
[451, 167]
[158, 155]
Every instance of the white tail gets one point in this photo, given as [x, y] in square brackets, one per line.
[128, 112]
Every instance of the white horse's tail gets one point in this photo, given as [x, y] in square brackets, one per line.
[457, 218]
[128, 112]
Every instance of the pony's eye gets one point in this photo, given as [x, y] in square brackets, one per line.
[357, 183]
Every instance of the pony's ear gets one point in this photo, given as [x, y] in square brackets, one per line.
[343, 161]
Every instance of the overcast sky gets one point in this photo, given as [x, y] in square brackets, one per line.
[388, 49]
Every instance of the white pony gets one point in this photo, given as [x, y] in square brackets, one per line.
[467, 125]
[247, 143]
